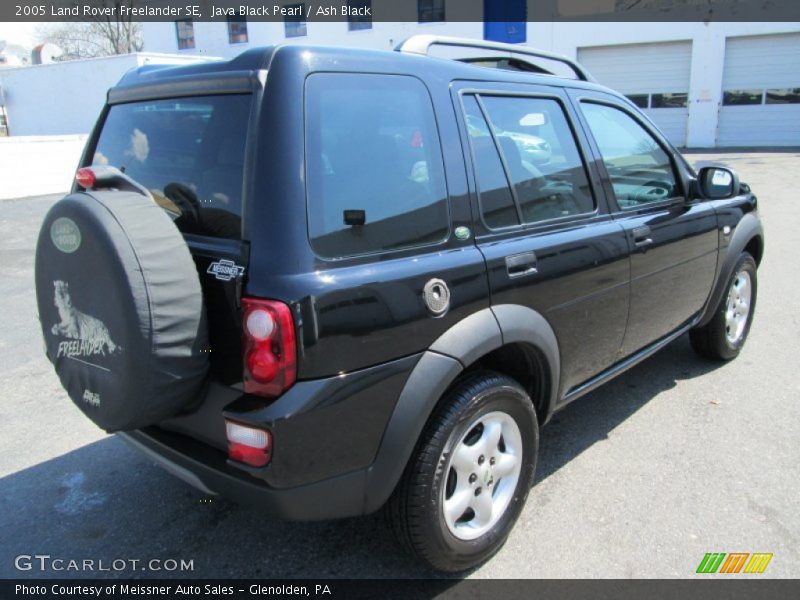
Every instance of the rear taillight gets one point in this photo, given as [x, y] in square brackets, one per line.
[270, 350]
[85, 178]
[248, 445]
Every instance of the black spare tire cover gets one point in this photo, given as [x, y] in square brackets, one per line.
[121, 308]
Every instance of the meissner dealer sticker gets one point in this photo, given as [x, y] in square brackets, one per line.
[65, 235]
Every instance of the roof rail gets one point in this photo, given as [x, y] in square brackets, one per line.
[421, 44]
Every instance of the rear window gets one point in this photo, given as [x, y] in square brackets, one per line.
[189, 152]
[375, 174]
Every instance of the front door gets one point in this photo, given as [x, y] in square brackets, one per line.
[673, 239]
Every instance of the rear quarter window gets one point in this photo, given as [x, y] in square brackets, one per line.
[189, 152]
[375, 176]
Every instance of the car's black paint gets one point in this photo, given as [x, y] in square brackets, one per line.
[326, 427]
[373, 361]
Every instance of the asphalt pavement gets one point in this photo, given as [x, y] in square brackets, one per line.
[674, 459]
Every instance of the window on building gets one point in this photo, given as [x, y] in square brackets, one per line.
[430, 11]
[639, 168]
[359, 17]
[539, 156]
[237, 30]
[671, 100]
[640, 100]
[784, 96]
[742, 97]
[294, 22]
[374, 168]
[184, 30]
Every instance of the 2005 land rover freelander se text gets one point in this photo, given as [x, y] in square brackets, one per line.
[326, 281]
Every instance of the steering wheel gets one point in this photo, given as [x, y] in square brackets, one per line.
[652, 191]
[186, 200]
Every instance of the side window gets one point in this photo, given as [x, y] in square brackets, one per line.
[540, 160]
[374, 170]
[497, 203]
[639, 168]
[541, 156]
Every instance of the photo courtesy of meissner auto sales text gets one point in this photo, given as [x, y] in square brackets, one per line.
[399, 299]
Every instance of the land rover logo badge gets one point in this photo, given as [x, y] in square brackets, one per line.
[65, 235]
[437, 296]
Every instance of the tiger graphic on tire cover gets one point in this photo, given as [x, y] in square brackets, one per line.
[91, 332]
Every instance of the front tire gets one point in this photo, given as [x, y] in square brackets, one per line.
[469, 476]
[723, 337]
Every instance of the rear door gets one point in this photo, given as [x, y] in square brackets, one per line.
[542, 223]
[673, 239]
[385, 197]
[189, 152]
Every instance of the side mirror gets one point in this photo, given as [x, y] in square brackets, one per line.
[717, 183]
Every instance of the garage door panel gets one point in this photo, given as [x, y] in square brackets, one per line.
[759, 126]
[758, 63]
[642, 68]
[662, 68]
[671, 122]
[771, 61]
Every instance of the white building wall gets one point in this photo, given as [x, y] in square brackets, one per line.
[36, 165]
[211, 39]
[66, 98]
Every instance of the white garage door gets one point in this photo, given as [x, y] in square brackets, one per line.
[654, 76]
[761, 92]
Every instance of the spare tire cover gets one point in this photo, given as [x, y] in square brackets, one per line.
[121, 308]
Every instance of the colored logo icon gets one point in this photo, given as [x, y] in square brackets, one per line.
[734, 562]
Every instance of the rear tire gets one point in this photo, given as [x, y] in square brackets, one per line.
[723, 337]
[467, 481]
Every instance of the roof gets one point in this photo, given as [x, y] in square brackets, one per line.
[233, 75]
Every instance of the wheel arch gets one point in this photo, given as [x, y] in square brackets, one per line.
[477, 341]
[747, 237]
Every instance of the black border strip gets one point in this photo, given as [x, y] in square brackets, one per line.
[402, 10]
[730, 588]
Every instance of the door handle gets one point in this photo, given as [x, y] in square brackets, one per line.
[520, 265]
[641, 236]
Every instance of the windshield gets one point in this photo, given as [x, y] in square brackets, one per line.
[189, 152]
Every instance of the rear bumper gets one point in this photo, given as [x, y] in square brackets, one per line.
[207, 469]
[327, 434]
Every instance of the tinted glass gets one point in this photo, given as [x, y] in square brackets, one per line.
[429, 11]
[375, 177]
[541, 156]
[669, 100]
[640, 100]
[497, 204]
[784, 96]
[294, 22]
[639, 168]
[184, 30]
[188, 152]
[237, 30]
[358, 18]
[741, 97]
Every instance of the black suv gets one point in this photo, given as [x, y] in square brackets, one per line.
[326, 281]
